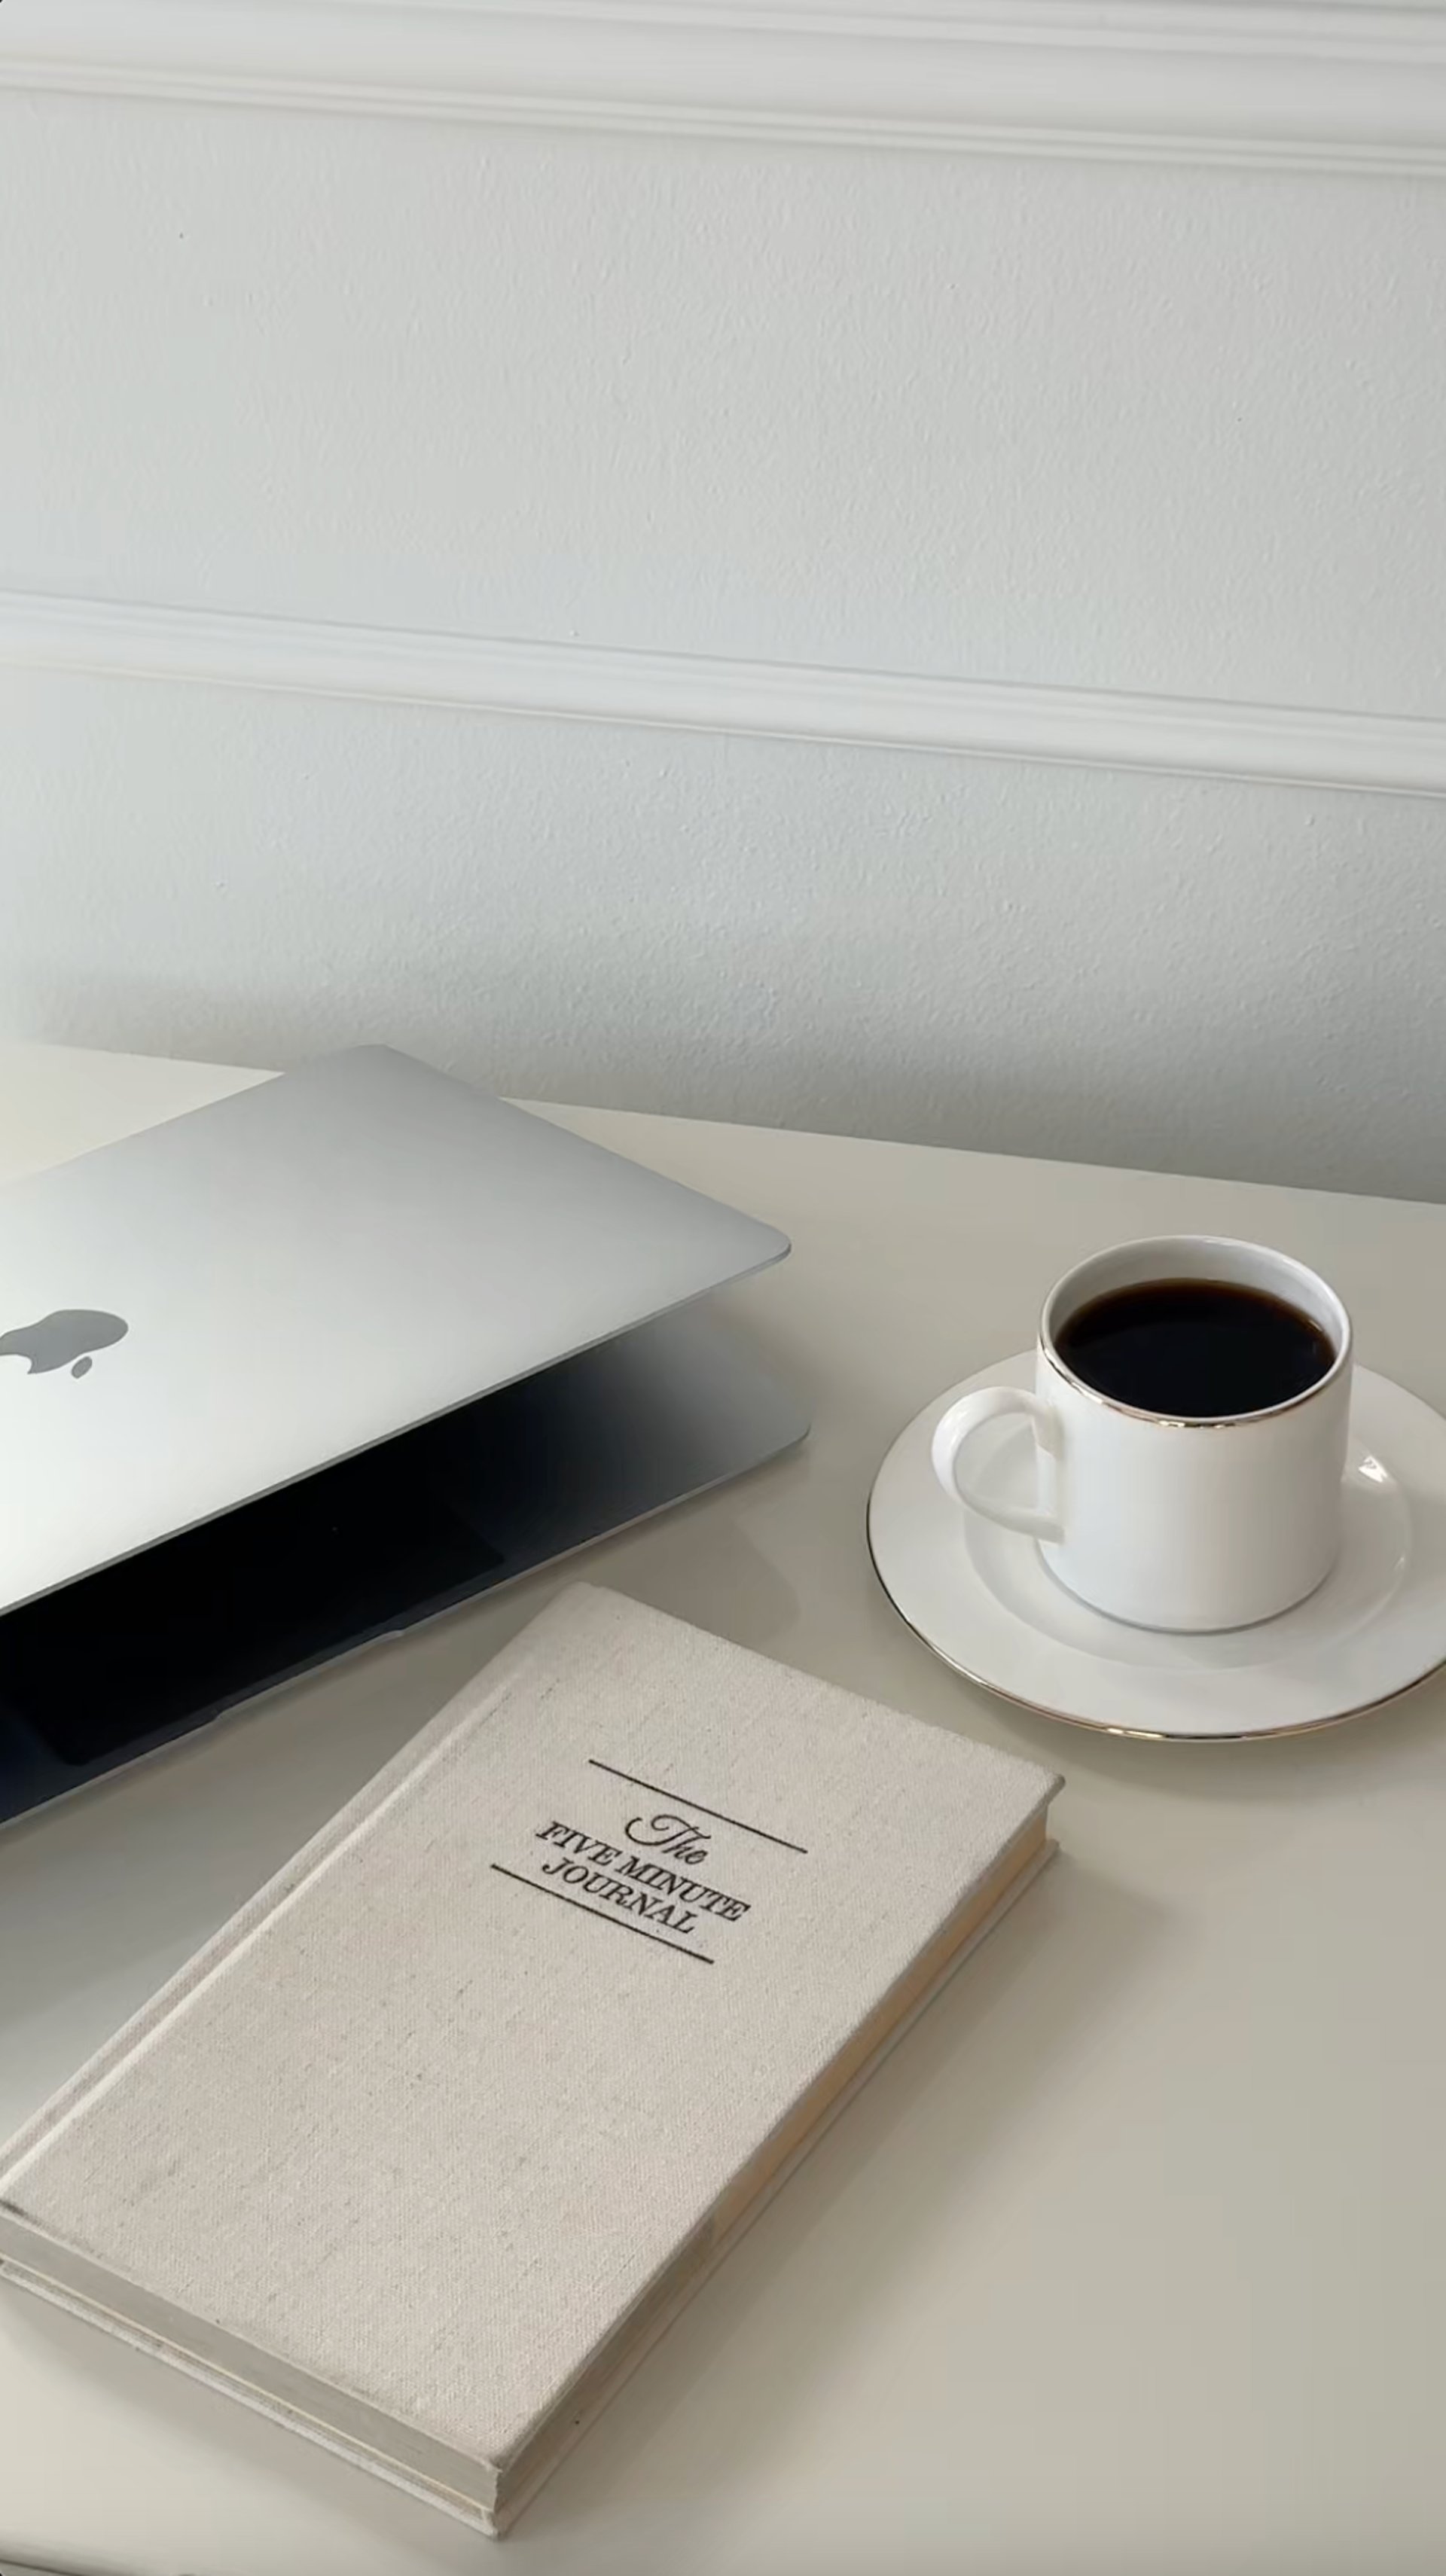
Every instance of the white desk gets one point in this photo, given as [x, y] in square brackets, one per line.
[1130, 2261]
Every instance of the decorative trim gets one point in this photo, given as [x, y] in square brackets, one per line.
[798, 702]
[1301, 84]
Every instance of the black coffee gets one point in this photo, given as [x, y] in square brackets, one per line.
[1195, 1348]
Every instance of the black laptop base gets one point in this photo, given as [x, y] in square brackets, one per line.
[125, 1660]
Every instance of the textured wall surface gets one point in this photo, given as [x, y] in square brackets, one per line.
[1175, 972]
[1101, 427]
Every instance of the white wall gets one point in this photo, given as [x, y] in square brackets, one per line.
[1114, 461]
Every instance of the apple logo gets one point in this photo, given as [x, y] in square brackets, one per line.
[64, 1339]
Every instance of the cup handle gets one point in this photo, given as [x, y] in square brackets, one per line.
[968, 1416]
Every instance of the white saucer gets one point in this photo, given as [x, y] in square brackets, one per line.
[982, 1597]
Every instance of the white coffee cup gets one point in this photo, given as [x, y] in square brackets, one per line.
[1210, 1522]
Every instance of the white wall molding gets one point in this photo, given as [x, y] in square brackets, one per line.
[1100, 728]
[1305, 85]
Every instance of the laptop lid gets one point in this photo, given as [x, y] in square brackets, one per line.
[245, 1294]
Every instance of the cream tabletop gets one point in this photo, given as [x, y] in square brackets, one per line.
[1129, 2262]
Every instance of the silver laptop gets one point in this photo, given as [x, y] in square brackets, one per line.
[322, 1359]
